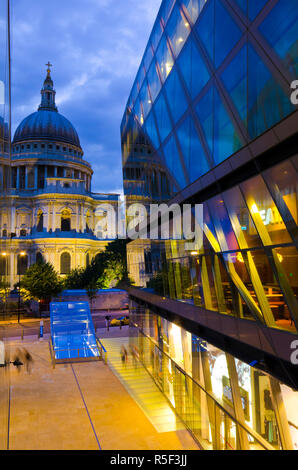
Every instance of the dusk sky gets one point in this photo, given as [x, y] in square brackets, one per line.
[95, 47]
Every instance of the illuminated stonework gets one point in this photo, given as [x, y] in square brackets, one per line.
[50, 211]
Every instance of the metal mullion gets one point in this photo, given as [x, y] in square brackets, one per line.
[289, 221]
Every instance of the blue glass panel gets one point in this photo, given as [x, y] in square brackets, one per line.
[205, 28]
[156, 34]
[165, 9]
[141, 75]
[145, 99]
[280, 29]
[222, 224]
[162, 117]
[226, 139]
[173, 162]
[138, 110]
[194, 155]
[151, 130]
[194, 8]
[254, 8]
[178, 29]
[267, 102]
[148, 56]
[153, 80]
[235, 80]
[204, 110]
[227, 33]
[242, 4]
[193, 68]
[175, 95]
[164, 58]
[251, 8]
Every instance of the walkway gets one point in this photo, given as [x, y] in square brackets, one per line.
[79, 406]
[142, 388]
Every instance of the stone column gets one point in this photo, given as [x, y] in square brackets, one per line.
[53, 218]
[18, 178]
[35, 176]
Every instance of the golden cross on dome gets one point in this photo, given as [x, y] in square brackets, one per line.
[49, 69]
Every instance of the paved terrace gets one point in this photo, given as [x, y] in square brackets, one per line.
[83, 406]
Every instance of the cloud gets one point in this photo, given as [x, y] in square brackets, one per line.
[96, 47]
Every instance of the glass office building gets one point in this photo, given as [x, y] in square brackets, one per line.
[211, 120]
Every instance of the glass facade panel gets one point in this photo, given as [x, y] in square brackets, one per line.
[280, 30]
[204, 111]
[251, 8]
[235, 80]
[193, 68]
[282, 182]
[173, 161]
[177, 29]
[156, 34]
[162, 117]
[267, 102]
[194, 155]
[151, 130]
[226, 139]
[227, 33]
[241, 220]
[222, 224]
[205, 27]
[154, 82]
[164, 59]
[201, 381]
[145, 99]
[264, 212]
[176, 97]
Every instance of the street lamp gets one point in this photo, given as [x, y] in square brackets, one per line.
[21, 254]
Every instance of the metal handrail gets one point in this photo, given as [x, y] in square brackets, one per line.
[102, 350]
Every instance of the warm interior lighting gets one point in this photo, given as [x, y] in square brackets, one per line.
[279, 257]
[4, 254]
[194, 253]
[254, 209]
[240, 258]
[22, 253]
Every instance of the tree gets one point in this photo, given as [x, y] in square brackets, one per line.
[107, 269]
[42, 281]
[74, 279]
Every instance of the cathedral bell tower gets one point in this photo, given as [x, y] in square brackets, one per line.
[48, 93]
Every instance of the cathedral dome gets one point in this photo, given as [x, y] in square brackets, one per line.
[47, 123]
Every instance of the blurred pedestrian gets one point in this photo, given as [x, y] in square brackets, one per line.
[17, 359]
[28, 360]
[123, 353]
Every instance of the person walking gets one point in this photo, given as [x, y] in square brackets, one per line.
[28, 360]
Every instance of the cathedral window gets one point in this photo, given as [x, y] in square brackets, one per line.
[39, 258]
[22, 177]
[39, 222]
[66, 221]
[22, 264]
[60, 171]
[65, 265]
[40, 177]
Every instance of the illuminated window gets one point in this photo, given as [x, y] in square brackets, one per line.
[65, 263]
